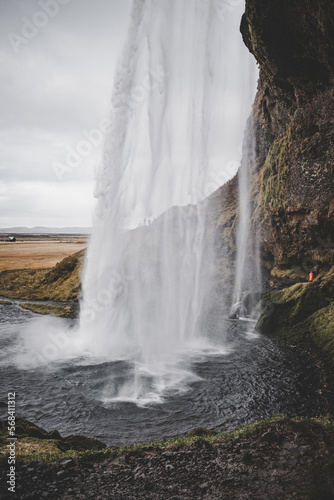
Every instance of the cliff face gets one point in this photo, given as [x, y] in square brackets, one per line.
[292, 171]
[293, 118]
[293, 43]
[293, 123]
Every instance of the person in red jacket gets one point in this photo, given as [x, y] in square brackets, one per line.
[311, 276]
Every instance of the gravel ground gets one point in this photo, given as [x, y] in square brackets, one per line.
[283, 460]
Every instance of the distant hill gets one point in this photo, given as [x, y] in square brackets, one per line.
[45, 230]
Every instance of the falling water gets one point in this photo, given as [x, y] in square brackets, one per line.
[182, 94]
[247, 267]
[172, 130]
[243, 231]
[181, 97]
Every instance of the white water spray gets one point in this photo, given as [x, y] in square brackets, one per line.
[182, 93]
[177, 120]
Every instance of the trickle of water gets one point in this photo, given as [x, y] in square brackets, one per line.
[247, 283]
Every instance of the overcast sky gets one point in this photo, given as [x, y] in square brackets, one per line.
[57, 60]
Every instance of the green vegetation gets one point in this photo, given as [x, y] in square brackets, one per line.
[61, 283]
[63, 270]
[46, 447]
[34, 443]
[274, 171]
[302, 315]
[61, 311]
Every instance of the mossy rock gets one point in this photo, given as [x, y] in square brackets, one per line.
[200, 432]
[80, 443]
[33, 441]
[302, 315]
[274, 172]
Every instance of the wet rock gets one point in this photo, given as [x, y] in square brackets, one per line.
[67, 463]
[200, 431]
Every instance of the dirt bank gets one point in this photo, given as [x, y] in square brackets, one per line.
[278, 460]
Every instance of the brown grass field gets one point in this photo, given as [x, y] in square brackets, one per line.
[38, 253]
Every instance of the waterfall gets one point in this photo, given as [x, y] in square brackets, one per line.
[247, 267]
[242, 242]
[182, 92]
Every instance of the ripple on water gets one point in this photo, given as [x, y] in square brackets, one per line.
[253, 377]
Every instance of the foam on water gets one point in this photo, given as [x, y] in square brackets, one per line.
[123, 401]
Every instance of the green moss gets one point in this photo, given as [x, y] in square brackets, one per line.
[30, 449]
[6, 303]
[46, 450]
[318, 331]
[60, 311]
[274, 172]
[295, 273]
[302, 315]
[35, 443]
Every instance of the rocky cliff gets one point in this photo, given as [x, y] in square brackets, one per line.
[293, 119]
[293, 122]
[292, 170]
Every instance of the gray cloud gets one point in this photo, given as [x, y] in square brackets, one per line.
[53, 86]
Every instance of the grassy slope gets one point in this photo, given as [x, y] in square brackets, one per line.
[69, 311]
[61, 283]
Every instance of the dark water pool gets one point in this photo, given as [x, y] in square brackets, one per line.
[258, 377]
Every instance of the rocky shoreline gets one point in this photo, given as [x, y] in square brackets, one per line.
[280, 459]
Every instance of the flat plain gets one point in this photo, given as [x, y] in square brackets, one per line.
[40, 252]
